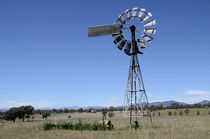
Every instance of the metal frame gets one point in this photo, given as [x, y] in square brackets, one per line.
[136, 101]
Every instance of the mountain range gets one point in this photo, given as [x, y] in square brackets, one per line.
[164, 104]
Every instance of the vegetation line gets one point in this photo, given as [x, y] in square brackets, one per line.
[77, 126]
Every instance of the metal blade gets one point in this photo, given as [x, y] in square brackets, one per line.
[104, 30]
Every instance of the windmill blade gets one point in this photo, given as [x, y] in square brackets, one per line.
[141, 43]
[104, 30]
[147, 38]
[122, 44]
[118, 39]
[150, 30]
[142, 11]
[127, 14]
[115, 34]
[127, 49]
[121, 19]
[150, 23]
[134, 10]
[147, 17]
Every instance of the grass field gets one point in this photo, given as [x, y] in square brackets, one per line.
[163, 127]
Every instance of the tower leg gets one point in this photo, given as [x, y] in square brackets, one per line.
[136, 101]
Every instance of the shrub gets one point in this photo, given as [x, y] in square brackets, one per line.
[180, 113]
[169, 113]
[198, 113]
[67, 126]
[158, 113]
[77, 126]
[187, 111]
[48, 126]
[111, 114]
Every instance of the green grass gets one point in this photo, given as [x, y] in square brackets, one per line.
[164, 127]
[77, 126]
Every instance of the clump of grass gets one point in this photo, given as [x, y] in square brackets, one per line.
[49, 126]
[77, 126]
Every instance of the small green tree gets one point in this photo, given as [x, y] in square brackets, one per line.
[104, 112]
[111, 114]
[45, 115]
[159, 114]
[169, 113]
[181, 113]
[65, 110]
[187, 111]
[209, 112]
[198, 112]
[153, 114]
[111, 108]
[80, 110]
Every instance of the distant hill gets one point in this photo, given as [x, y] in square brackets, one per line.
[204, 102]
[164, 103]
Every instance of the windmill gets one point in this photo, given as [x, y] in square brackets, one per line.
[132, 24]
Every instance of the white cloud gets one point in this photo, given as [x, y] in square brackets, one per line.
[197, 92]
[193, 99]
[12, 103]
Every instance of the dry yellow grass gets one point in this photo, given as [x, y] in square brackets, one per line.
[164, 127]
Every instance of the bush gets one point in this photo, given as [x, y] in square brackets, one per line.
[169, 113]
[111, 114]
[48, 126]
[158, 113]
[198, 113]
[187, 111]
[77, 126]
[67, 126]
[180, 113]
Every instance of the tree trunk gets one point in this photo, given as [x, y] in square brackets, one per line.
[103, 119]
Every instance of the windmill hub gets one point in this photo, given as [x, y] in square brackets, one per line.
[132, 28]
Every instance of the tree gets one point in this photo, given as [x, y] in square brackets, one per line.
[111, 114]
[45, 115]
[21, 113]
[111, 108]
[80, 110]
[198, 113]
[175, 105]
[169, 113]
[180, 113]
[11, 114]
[65, 110]
[187, 111]
[153, 114]
[159, 114]
[104, 112]
[28, 110]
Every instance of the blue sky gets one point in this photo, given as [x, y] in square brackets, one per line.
[47, 59]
